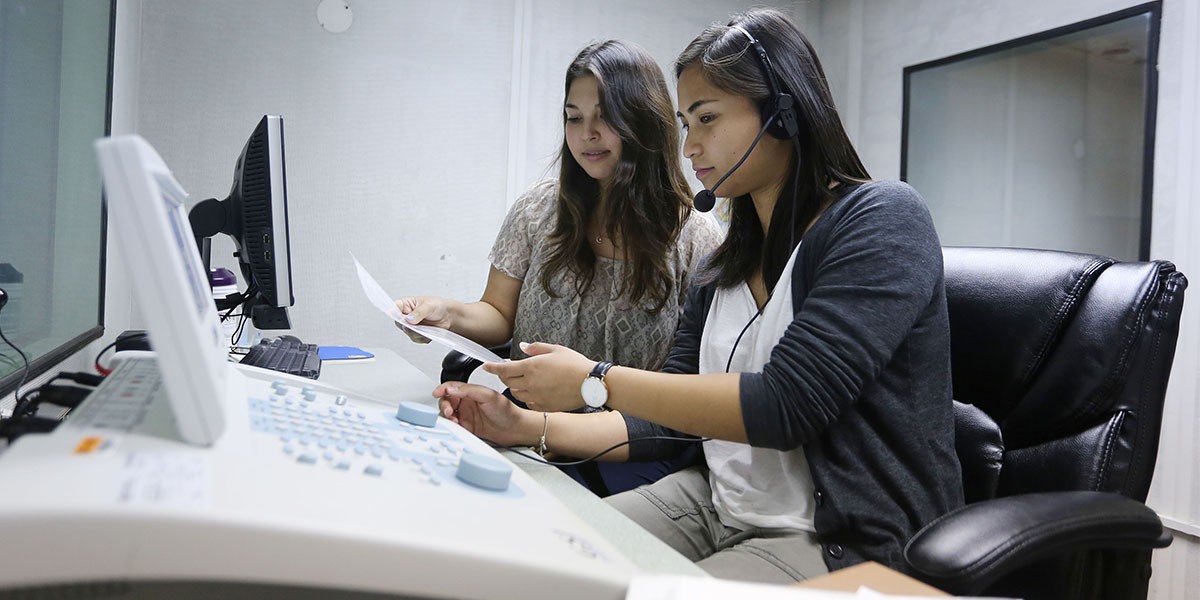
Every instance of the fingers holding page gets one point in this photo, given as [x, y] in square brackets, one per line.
[423, 310]
[549, 380]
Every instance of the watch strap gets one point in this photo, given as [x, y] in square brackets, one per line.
[600, 370]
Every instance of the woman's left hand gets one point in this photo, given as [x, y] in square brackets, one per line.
[548, 380]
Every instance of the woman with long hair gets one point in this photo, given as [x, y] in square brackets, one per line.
[813, 358]
[598, 259]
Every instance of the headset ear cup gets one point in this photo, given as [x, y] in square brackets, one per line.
[786, 124]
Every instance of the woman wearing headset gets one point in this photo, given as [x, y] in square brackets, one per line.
[813, 356]
[599, 259]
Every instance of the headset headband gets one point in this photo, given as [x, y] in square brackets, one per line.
[773, 86]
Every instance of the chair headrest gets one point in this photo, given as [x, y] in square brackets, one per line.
[1007, 309]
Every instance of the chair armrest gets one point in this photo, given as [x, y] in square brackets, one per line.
[457, 366]
[965, 550]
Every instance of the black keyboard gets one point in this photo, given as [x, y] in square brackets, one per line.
[285, 356]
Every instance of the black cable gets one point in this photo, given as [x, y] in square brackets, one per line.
[96, 363]
[12, 430]
[795, 192]
[729, 362]
[669, 438]
[87, 379]
[241, 326]
[25, 372]
[791, 248]
[22, 407]
[65, 396]
[25, 418]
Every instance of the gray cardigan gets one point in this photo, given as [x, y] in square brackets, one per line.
[860, 379]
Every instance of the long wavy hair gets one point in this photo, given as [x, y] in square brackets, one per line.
[825, 154]
[648, 199]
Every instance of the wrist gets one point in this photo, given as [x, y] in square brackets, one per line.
[593, 390]
[531, 428]
[453, 314]
[609, 380]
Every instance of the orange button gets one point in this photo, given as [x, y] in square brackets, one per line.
[88, 445]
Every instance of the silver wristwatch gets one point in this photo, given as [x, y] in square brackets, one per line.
[594, 390]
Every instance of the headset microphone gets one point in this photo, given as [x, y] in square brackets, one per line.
[783, 122]
[706, 199]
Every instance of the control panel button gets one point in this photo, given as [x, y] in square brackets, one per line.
[417, 414]
[485, 472]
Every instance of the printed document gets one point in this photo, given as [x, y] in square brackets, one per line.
[383, 301]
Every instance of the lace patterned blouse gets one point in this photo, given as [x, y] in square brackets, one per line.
[597, 324]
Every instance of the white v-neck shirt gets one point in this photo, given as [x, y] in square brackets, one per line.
[753, 487]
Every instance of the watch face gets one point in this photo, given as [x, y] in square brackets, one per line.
[594, 392]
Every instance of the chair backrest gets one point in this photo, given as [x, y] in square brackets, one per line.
[1060, 363]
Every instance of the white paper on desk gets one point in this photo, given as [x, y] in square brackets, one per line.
[685, 587]
[383, 301]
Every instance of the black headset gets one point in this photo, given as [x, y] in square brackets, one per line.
[779, 108]
[779, 118]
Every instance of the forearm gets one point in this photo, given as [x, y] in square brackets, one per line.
[583, 435]
[578, 435]
[703, 405]
[481, 322]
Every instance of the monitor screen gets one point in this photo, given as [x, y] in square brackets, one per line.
[255, 216]
[150, 224]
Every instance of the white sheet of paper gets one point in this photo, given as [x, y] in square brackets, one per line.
[686, 587]
[383, 301]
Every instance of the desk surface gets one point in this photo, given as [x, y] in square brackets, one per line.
[389, 378]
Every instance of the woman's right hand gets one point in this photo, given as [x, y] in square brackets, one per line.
[488, 414]
[424, 310]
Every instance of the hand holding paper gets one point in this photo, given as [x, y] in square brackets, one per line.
[383, 301]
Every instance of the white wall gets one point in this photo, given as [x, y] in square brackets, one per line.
[865, 45]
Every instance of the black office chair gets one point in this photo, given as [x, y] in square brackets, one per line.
[1060, 364]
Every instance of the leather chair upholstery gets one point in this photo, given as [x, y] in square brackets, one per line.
[1060, 364]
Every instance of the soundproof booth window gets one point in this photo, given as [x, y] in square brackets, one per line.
[1044, 142]
[54, 102]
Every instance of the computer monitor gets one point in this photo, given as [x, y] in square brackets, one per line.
[255, 216]
[147, 212]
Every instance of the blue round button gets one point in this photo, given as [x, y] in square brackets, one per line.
[417, 413]
[485, 471]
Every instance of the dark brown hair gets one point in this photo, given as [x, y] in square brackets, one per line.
[824, 152]
[648, 198]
